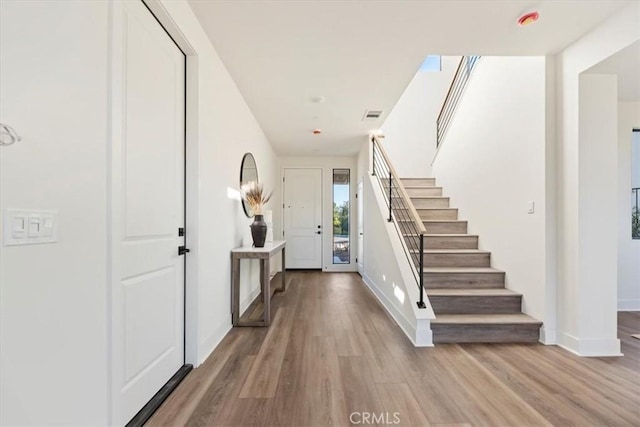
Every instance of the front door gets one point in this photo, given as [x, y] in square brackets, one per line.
[148, 208]
[303, 217]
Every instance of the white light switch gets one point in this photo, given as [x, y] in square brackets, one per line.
[29, 226]
[531, 207]
[18, 226]
[34, 225]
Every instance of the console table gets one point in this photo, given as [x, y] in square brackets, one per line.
[262, 254]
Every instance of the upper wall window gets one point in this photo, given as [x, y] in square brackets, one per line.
[432, 63]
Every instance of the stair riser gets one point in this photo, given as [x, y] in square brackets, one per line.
[440, 202]
[479, 333]
[476, 304]
[464, 280]
[457, 260]
[446, 227]
[427, 182]
[438, 214]
[427, 191]
[457, 242]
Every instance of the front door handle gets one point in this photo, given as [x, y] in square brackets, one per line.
[183, 250]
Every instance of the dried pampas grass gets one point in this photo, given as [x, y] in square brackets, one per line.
[255, 196]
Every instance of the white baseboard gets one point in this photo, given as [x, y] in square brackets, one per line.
[599, 347]
[246, 302]
[629, 305]
[207, 346]
[548, 336]
[419, 334]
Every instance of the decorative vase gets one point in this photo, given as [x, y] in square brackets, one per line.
[259, 231]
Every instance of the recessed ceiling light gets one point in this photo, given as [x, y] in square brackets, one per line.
[528, 18]
[318, 99]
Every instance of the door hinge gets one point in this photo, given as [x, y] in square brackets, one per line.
[283, 179]
[356, 259]
[181, 231]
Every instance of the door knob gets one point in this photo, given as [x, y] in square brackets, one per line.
[318, 232]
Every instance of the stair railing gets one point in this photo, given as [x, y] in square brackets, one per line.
[451, 101]
[402, 213]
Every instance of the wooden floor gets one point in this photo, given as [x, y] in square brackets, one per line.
[334, 357]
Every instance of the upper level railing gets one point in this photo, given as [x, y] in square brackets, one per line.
[451, 101]
[635, 214]
[402, 213]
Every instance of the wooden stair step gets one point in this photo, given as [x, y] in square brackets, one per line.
[423, 191]
[485, 328]
[455, 257]
[463, 277]
[450, 241]
[426, 182]
[445, 226]
[422, 202]
[474, 301]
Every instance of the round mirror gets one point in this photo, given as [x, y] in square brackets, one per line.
[248, 173]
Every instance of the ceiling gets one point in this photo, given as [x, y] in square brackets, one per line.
[626, 64]
[361, 55]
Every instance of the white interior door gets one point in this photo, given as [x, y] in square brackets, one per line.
[303, 217]
[148, 208]
[360, 260]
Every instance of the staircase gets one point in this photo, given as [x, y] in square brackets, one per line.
[468, 297]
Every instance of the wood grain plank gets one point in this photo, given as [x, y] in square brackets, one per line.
[400, 405]
[263, 377]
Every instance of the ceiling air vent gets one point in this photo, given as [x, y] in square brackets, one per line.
[372, 114]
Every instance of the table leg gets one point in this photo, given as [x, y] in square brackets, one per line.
[283, 287]
[266, 291]
[235, 291]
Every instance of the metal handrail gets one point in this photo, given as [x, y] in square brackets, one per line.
[452, 99]
[402, 213]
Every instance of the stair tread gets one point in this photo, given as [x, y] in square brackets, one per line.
[438, 221]
[452, 251]
[490, 292]
[461, 270]
[420, 187]
[486, 319]
[451, 235]
[442, 208]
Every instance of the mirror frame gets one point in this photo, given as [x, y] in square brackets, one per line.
[245, 207]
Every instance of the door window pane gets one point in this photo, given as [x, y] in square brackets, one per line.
[341, 253]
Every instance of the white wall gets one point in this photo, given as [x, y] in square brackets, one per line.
[327, 164]
[576, 193]
[54, 339]
[226, 129]
[410, 128]
[53, 330]
[386, 270]
[628, 248]
[492, 163]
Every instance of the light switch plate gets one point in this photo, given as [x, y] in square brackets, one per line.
[531, 207]
[29, 226]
